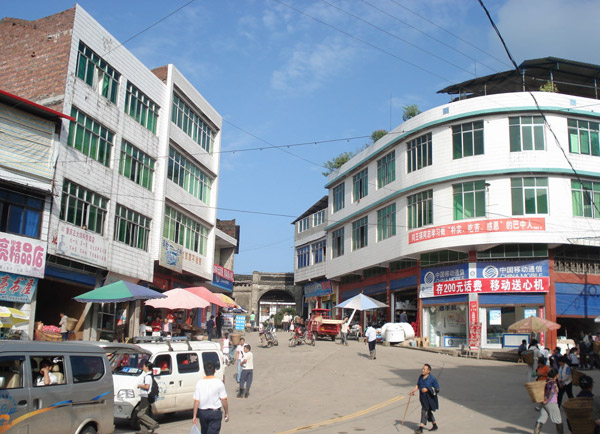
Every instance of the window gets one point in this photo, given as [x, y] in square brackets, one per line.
[402, 264]
[131, 228]
[467, 140]
[318, 251]
[57, 370]
[185, 231]
[163, 362]
[361, 187]
[443, 257]
[583, 137]
[211, 357]
[386, 222]
[87, 368]
[338, 197]
[360, 233]
[92, 69]
[83, 207]
[319, 218]
[188, 176]
[11, 372]
[469, 200]
[20, 214]
[586, 199]
[303, 224]
[187, 362]
[505, 251]
[526, 133]
[141, 108]
[106, 321]
[420, 209]
[136, 165]
[386, 169]
[90, 137]
[303, 254]
[419, 153]
[190, 122]
[337, 243]
[529, 195]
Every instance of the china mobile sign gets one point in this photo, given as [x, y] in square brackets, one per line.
[507, 284]
[478, 227]
[21, 255]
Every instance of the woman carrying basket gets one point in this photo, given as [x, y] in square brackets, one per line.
[550, 405]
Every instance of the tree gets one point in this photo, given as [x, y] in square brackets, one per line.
[410, 111]
[549, 87]
[337, 162]
[377, 134]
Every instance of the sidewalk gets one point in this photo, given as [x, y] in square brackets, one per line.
[500, 354]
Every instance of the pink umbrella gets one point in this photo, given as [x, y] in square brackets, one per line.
[207, 295]
[533, 324]
[178, 299]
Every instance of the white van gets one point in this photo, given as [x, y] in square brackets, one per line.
[78, 400]
[178, 365]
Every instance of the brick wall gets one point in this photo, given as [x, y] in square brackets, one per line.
[34, 57]
[162, 72]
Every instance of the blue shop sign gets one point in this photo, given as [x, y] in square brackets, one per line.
[221, 282]
[491, 270]
[430, 276]
[318, 289]
[16, 288]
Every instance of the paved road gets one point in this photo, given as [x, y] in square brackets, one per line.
[334, 389]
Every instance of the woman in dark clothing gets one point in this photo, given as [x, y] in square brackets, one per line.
[428, 388]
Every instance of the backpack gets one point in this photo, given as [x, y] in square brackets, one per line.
[153, 392]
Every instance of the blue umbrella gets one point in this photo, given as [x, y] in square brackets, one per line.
[118, 292]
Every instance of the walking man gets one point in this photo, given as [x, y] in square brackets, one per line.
[428, 388]
[210, 402]
[146, 422]
[210, 326]
[344, 331]
[247, 372]
[219, 324]
[371, 340]
[239, 355]
[252, 320]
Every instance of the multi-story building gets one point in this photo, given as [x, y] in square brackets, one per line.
[479, 212]
[136, 180]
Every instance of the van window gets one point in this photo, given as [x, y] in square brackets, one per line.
[87, 368]
[57, 370]
[187, 362]
[163, 362]
[211, 356]
[128, 363]
[11, 372]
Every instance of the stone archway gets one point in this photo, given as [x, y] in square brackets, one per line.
[272, 302]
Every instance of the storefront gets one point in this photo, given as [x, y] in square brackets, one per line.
[377, 317]
[404, 298]
[320, 295]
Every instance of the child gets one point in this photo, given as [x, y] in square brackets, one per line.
[550, 404]
[225, 348]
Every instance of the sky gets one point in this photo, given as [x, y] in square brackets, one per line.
[298, 82]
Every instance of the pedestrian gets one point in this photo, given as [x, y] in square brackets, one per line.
[371, 340]
[63, 326]
[403, 316]
[146, 422]
[252, 320]
[143, 329]
[554, 358]
[285, 322]
[210, 327]
[587, 384]
[225, 348]
[542, 369]
[247, 372]
[550, 405]
[428, 388]
[522, 347]
[531, 369]
[239, 355]
[219, 324]
[210, 402]
[272, 322]
[565, 381]
[344, 331]
[167, 327]
[573, 358]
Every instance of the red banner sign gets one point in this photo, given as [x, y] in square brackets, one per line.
[478, 227]
[223, 272]
[473, 312]
[504, 284]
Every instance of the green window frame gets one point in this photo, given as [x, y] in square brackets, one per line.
[360, 233]
[90, 137]
[188, 176]
[586, 198]
[94, 71]
[467, 140]
[419, 153]
[420, 209]
[337, 242]
[339, 193]
[184, 230]
[131, 228]
[191, 123]
[529, 195]
[361, 184]
[469, 200]
[584, 137]
[141, 108]
[386, 169]
[136, 165]
[386, 222]
[526, 133]
[82, 207]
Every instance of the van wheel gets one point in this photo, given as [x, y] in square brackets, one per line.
[88, 430]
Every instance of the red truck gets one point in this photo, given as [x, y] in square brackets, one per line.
[322, 325]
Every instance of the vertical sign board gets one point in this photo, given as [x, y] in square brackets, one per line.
[474, 337]
[542, 334]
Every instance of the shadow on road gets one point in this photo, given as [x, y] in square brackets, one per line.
[511, 430]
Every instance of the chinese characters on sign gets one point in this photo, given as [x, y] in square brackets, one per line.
[77, 243]
[171, 255]
[18, 289]
[223, 272]
[507, 284]
[21, 255]
[484, 226]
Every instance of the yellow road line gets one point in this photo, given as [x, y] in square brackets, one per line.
[347, 417]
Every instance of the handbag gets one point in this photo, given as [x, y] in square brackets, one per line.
[195, 429]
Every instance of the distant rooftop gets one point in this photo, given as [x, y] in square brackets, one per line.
[570, 77]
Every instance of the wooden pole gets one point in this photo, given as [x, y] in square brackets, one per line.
[406, 409]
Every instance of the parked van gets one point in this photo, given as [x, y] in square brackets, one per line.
[178, 365]
[79, 398]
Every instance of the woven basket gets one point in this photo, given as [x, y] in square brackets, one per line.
[576, 376]
[579, 413]
[596, 347]
[536, 390]
[528, 357]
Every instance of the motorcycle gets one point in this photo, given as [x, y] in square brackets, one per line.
[271, 338]
[355, 332]
[302, 334]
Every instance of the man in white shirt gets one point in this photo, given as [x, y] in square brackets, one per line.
[371, 340]
[63, 326]
[46, 378]
[239, 355]
[210, 402]
[247, 372]
[146, 422]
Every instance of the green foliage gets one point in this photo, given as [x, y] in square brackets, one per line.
[549, 87]
[279, 315]
[410, 111]
[337, 162]
[377, 134]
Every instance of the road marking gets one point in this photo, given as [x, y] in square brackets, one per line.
[347, 417]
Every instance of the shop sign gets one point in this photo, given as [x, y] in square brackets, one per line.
[431, 276]
[495, 316]
[171, 255]
[77, 243]
[474, 335]
[473, 311]
[475, 227]
[512, 269]
[21, 255]
[221, 282]
[223, 272]
[18, 289]
[318, 289]
[499, 285]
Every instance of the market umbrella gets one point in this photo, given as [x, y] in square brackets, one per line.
[360, 302]
[533, 324]
[10, 316]
[227, 300]
[178, 299]
[207, 295]
[118, 292]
